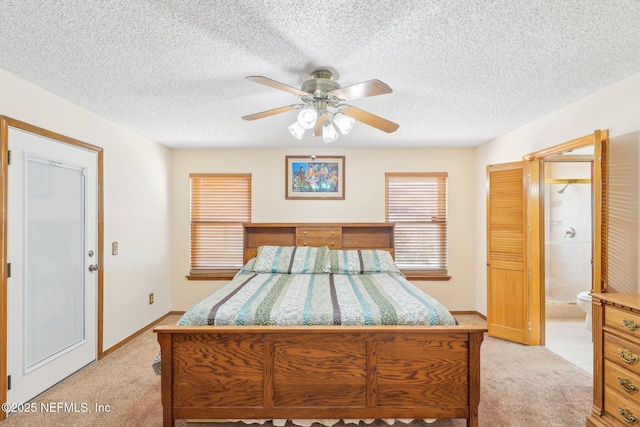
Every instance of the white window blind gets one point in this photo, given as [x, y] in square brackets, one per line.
[417, 204]
[220, 203]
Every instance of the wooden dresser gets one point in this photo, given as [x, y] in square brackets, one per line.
[616, 363]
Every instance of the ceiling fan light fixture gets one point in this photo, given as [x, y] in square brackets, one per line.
[307, 117]
[344, 123]
[329, 133]
[296, 130]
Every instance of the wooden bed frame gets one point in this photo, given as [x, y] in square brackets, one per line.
[320, 372]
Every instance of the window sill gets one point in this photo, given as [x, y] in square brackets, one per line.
[213, 275]
[425, 275]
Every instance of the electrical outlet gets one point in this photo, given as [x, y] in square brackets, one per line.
[151, 298]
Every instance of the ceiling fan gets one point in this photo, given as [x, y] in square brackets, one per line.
[323, 105]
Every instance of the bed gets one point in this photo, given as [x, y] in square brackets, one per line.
[337, 363]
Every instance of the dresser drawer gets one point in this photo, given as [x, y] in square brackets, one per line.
[622, 352]
[625, 382]
[622, 320]
[620, 409]
[319, 236]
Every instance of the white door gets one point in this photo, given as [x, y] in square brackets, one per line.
[52, 249]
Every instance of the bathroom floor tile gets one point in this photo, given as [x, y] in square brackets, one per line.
[570, 340]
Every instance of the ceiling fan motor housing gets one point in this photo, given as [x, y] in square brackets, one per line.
[321, 84]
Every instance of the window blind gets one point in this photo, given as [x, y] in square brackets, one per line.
[220, 203]
[417, 204]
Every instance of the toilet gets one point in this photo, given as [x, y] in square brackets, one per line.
[584, 302]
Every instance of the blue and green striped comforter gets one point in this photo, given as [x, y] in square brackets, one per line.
[318, 299]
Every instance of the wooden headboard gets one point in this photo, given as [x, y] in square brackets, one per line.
[373, 235]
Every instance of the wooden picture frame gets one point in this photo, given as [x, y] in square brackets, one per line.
[320, 177]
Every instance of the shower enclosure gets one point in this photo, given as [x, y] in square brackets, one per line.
[568, 231]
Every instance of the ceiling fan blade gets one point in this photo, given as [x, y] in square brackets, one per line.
[277, 85]
[371, 119]
[362, 90]
[272, 112]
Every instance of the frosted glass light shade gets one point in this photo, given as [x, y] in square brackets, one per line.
[296, 130]
[344, 123]
[307, 117]
[329, 133]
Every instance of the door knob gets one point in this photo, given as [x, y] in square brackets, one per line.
[93, 268]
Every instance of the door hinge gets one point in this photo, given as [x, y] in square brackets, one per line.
[8, 269]
[529, 325]
[9, 157]
[8, 382]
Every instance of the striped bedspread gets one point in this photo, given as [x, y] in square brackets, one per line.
[318, 299]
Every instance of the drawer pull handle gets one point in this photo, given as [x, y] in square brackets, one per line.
[630, 324]
[332, 244]
[627, 385]
[627, 415]
[627, 356]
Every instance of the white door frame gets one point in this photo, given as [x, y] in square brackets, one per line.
[5, 123]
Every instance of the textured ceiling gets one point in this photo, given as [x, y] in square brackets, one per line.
[462, 71]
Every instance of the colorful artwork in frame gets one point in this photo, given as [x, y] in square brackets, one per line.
[317, 177]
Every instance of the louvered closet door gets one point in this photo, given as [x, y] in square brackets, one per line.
[621, 225]
[506, 252]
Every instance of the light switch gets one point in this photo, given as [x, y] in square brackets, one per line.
[114, 248]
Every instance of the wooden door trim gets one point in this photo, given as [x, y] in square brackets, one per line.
[5, 123]
[601, 142]
[535, 250]
[4, 158]
[583, 141]
[599, 139]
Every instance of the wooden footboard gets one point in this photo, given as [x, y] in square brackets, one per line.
[313, 372]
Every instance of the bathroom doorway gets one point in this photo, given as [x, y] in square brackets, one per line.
[526, 239]
[568, 254]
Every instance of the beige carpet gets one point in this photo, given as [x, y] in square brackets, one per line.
[521, 386]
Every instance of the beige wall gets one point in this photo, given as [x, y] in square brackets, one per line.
[136, 200]
[616, 108]
[364, 202]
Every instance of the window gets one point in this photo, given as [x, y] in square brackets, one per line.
[220, 203]
[417, 204]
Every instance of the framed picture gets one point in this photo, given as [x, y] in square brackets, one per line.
[318, 177]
